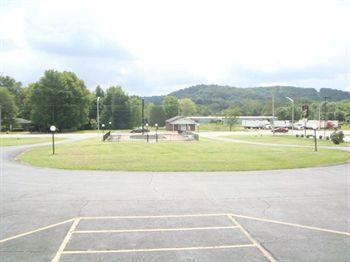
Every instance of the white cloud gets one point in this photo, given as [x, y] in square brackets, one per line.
[153, 47]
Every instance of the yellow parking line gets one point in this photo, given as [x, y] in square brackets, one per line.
[151, 230]
[66, 240]
[157, 216]
[293, 225]
[36, 230]
[267, 254]
[153, 249]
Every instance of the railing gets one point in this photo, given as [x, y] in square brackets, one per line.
[105, 136]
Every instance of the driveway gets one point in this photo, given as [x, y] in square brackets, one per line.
[279, 215]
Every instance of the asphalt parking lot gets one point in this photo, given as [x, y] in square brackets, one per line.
[280, 215]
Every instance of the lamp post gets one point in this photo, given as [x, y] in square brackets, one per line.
[314, 127]
[53, 129]
[147, 136]
[110, 125]
[103, 128]
[198, 130]
[291, 100]
[98, 115]
[325, 116]
[156, 125]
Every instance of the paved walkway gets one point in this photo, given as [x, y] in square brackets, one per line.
[62, 215]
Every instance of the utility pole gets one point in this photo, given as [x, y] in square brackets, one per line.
[98, 116]
[325, 116]
[292, 100]
[273, 114]
[143, 115]
[0, 119]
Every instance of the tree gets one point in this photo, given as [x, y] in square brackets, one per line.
[187, 107]
[135, 107]
[8, 108]
[231, 115]
[171, 106]
[157, 115]
[60, 99]
[15, 88]
[116, 108]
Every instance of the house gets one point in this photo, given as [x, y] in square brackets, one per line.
[180, 123]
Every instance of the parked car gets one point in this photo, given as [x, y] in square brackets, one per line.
[298, 126]
[280, 130]
[139, 130]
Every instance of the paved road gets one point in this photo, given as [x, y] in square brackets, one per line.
[234, 216]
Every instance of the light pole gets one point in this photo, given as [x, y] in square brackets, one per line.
[198, 130]
[53, 129]
[291, 100]
[98, 115]
[156, 125]
[325, 116]
[273, 114]
[103, 128]
[110, 125]
[147, 137]
[314, 127]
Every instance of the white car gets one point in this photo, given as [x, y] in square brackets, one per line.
[298, 126]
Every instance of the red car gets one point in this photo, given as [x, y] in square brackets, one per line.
[280, 130]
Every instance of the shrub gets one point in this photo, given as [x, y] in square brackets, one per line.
[320, 137]
[297, 135]
[337, 137]
[307, 136]
[327, 137]
[301, 135]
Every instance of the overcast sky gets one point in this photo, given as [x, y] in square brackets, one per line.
[155, 47]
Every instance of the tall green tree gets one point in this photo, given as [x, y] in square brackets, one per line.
[15, 88]
[171, 106]
[231, 115]
[116, 109]
[136, 114]
[157, 115]
[60, 99]
[8, 108]
[187, 107]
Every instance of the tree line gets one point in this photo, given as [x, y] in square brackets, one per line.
[63, 100]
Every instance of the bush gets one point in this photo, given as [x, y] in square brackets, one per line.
[297, 135]
[301, 135]
[337, 137]
[308, 136]
[327, 137]
[320, 137]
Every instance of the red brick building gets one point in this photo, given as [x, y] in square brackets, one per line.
[180, 123]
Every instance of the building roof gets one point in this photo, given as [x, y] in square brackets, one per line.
[23, 121]
[181, 120]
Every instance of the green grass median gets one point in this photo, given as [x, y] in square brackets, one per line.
[205, 155]
[286, 139]
[18, 141]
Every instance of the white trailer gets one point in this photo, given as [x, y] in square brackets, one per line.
[256, 124]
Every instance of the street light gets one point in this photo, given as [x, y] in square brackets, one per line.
[147, 136]
[53, 129]
[198, 130]
[291, 100]
[110, 125]
[314, 127]
[156, 125]
[98, 115]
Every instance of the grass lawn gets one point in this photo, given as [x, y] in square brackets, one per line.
[17, 141]
[205, 155]
[286, 139]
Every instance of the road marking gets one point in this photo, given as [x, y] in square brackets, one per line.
[153, 249]
[294, 225]
[159, 216]
[66, 240]
[266, 253]
[151, 230]
[36, 230]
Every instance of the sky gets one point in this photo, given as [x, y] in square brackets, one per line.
[156, 47]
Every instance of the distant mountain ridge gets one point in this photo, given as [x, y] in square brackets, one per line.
[208, 94]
